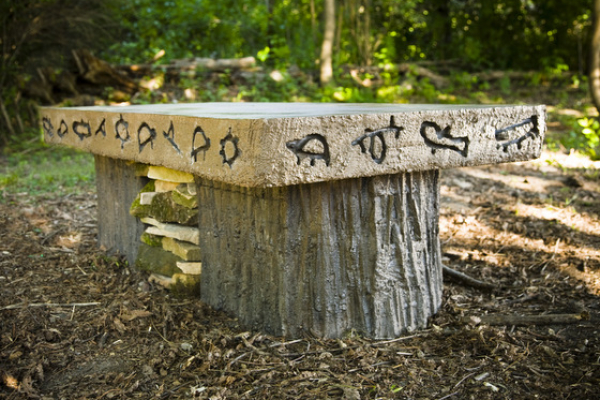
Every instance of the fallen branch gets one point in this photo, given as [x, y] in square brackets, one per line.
[524, 320]
[466, 279]
[437, 80]
[50, 305]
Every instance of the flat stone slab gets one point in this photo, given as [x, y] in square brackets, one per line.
[279, 144]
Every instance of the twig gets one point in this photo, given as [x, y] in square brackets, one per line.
[466, 279]
[448, 396]
[50, 305]
[524, 320]
[399, 339]
[463, 379]
[278, 344]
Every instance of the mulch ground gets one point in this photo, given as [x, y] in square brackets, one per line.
[77, 324]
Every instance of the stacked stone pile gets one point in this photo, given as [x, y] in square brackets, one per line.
[169, 249]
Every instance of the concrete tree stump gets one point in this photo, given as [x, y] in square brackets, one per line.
[314, 218]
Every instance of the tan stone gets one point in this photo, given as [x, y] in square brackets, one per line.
[146, 198]
[165, 186]
[194, 268]
[183, 233]
[162, 280]
[169, 175]
[279, 144]
[185, 250]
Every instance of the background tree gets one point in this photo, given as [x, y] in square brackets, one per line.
[595, 57]
[327, 46]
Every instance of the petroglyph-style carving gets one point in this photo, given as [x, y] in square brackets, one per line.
[146, 135]
[197, 148]
[47, 126]
[82, 129]
[443, 139]
[102, 128]
[377, 151]
[299, 148]
[504, 133]
[63, 129]
[170, 136]
[229, 158]
[122, 131]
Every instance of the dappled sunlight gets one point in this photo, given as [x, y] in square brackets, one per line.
[566, 216]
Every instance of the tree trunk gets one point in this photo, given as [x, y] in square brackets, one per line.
[327, 47]
[595, 57]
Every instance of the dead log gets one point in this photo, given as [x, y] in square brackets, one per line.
[176, 67]
[212, 64]
[524, 320]
[99, 72]
[437, 80]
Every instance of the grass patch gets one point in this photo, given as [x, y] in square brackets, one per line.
[33, 168]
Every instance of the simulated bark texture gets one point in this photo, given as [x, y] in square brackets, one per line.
[117, 187]
[324, 258]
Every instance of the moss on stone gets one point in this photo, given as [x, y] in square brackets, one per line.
[136, 207]
[156, 260]
[186, 285]
[164, 209]
[151, 240]
[185, 200]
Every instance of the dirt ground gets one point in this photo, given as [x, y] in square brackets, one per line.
[77, 324]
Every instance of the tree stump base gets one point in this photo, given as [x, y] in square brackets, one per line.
[325, 258]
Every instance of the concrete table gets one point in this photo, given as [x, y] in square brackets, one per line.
[314, 218]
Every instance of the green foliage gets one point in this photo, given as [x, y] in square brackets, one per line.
[548, 35]
[586, 136]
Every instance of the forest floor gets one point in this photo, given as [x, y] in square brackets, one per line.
[75, 323]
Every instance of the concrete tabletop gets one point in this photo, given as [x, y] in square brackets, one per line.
[277, 144]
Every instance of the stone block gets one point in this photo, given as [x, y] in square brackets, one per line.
[164, 281]
[169, 175]
[185, 250]
[151, 240]
[183, 233]
[185, 199]
[192, 268]
[164, 186]
[146, 198]
[156, 260]
[163, 208]
[186, 285]
[267, 144]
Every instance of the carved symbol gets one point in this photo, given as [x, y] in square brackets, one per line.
[503, 134]
[122, 130]
[299, 149]
[236, 150]
[378, 134]
[170, 136]
[146, 135]
[63, 129]
[102, 128]
[203, 148]
[82, 129]
[48, 127]
[443, 139]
